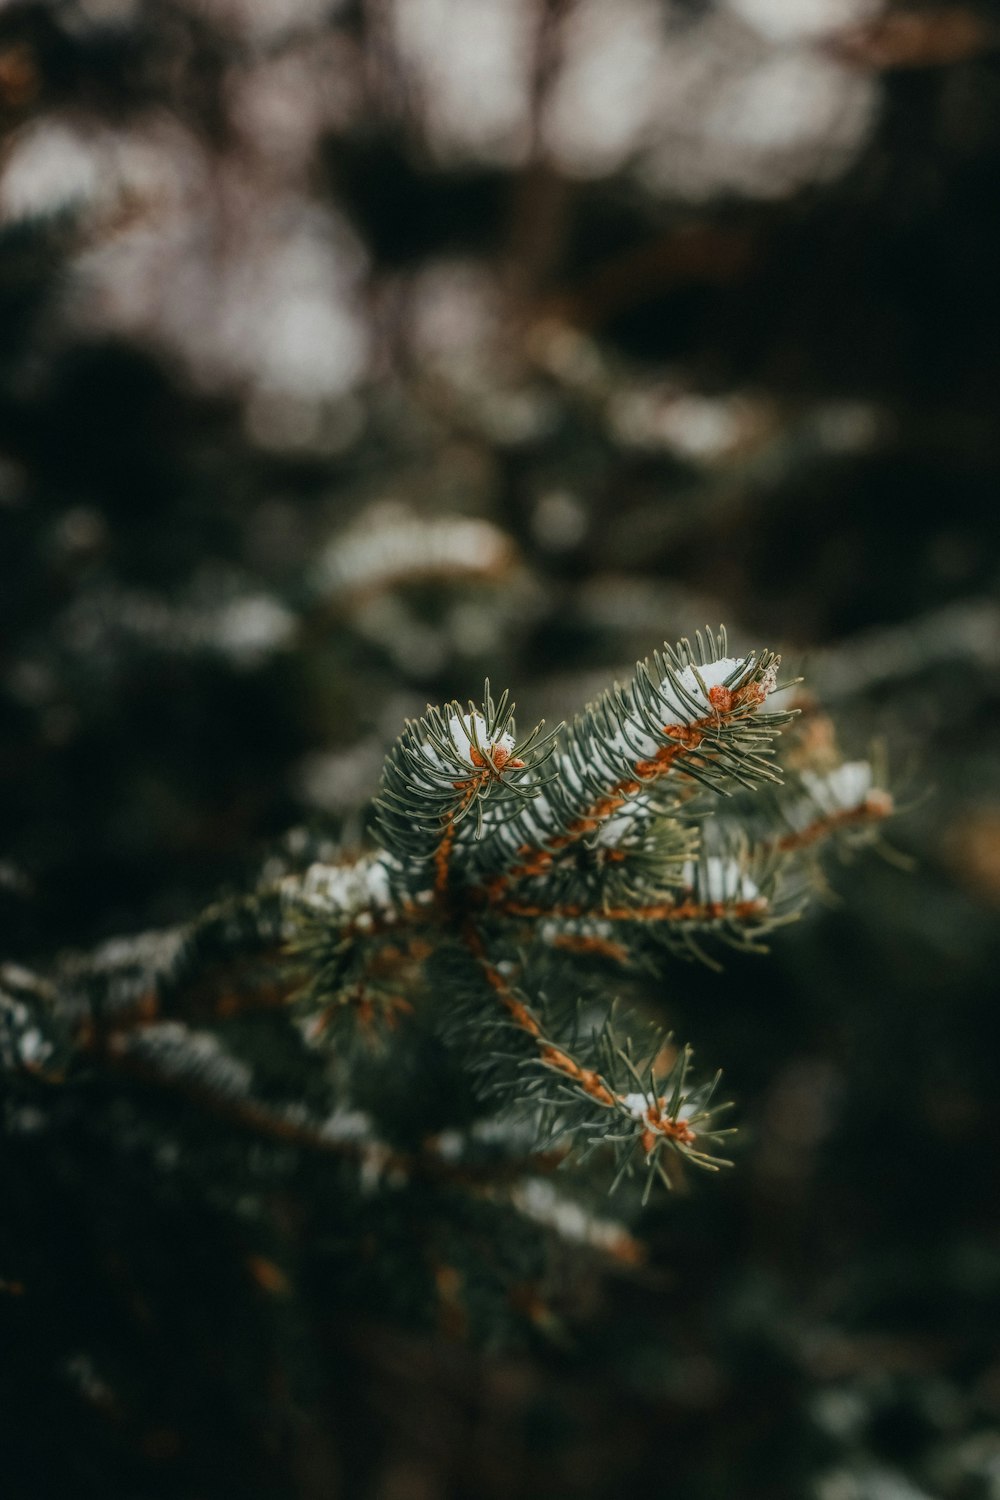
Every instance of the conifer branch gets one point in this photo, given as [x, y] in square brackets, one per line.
[689, 717]
[511, 874]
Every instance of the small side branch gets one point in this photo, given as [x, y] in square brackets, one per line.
[685, 910]
[549, 1053]
[877, 806]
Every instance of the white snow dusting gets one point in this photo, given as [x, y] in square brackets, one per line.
[845, 787]
[684, 699]
[724, 672]
[719, 880]
[464, 732]
[347, 890]
[639, 1106]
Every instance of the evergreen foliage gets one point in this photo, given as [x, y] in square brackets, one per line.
[511, 872]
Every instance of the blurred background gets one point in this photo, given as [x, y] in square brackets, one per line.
[352, 351]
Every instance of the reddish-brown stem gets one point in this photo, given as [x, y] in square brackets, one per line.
[876, 806]
[581, 942]
[550, 1053]
[442, 858]
[663, 911]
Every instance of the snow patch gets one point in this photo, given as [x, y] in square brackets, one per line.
[719, 880]
[465, 732]
[639, 1105]
[844, 787]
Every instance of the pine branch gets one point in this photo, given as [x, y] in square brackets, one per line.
[447, 766]
[688, 718]
[513, 874]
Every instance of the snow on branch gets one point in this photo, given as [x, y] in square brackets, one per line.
[514, 876]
